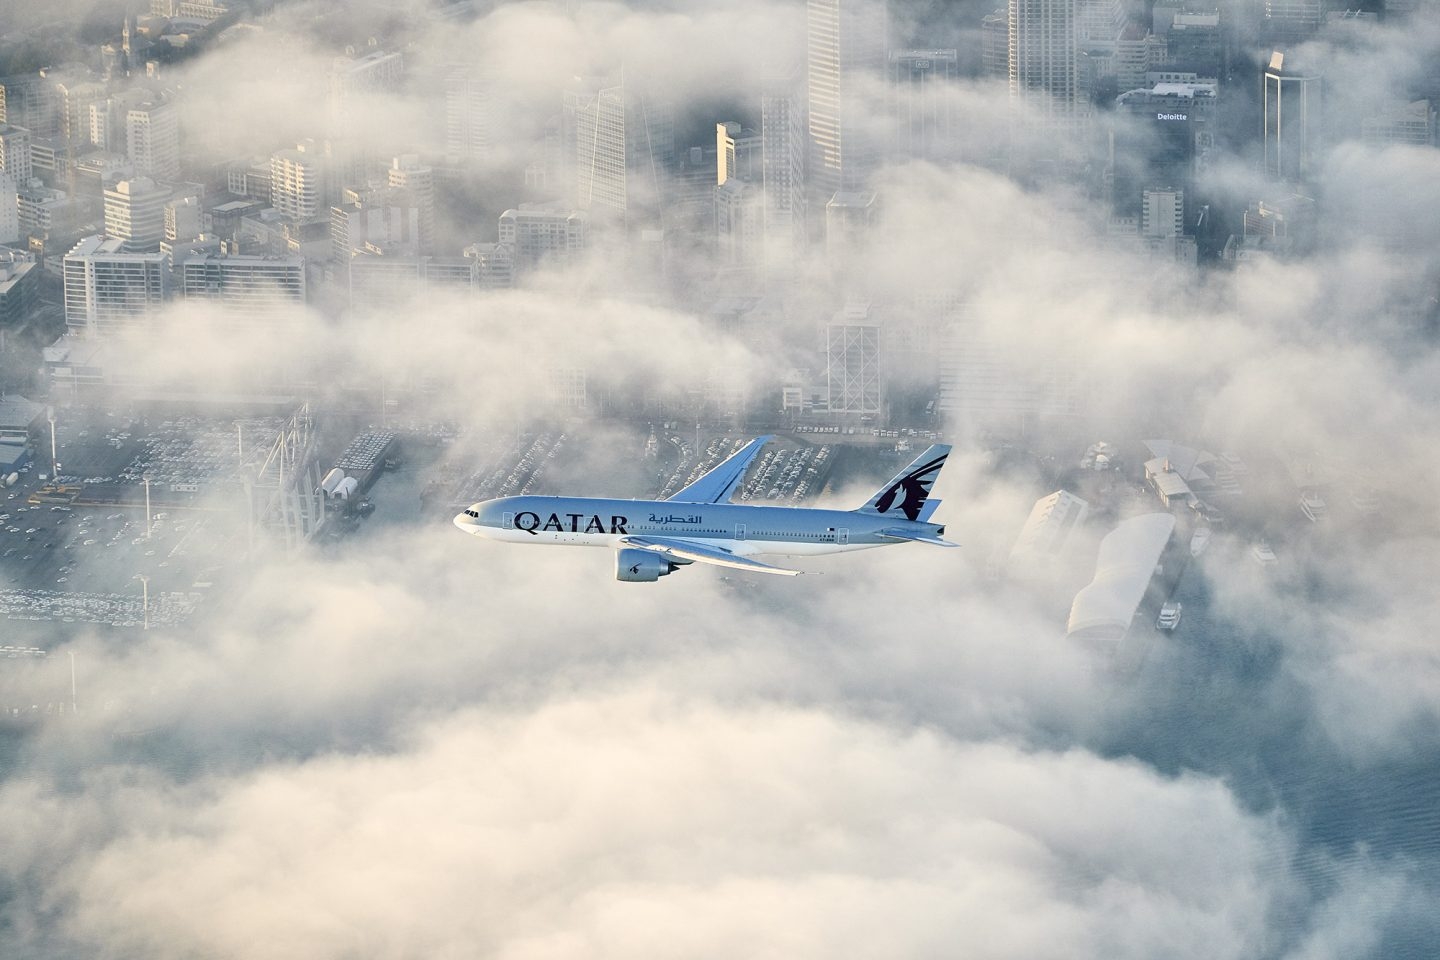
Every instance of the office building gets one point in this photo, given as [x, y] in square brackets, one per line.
[9, 209]
[1291, 120]
[372, 72]
[135, 213]
[383, 217]
[1163, 140]
[19, 286]
[543, 233]
[1291, 21]
[995, 45]
[298, 182]
[1044, 66]
[184, 219]
[850, 219]
[247, 287]
[15, 156]
[108, 289]
[468, 115]
[494, 265]
[783, 145]
[739, 223]
[737, 153]
[623, 147]
[846, 43]
[152, 140]
[920, 92]
[1398, 122]
[1162, 214]
[852, 364]
[407, 173]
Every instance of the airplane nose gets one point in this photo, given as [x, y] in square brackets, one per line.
[466, 522]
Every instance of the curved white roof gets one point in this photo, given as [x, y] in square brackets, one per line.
[1126, 561]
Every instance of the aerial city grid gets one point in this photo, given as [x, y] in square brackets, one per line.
[291, 289]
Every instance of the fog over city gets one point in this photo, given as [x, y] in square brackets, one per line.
[406, 743]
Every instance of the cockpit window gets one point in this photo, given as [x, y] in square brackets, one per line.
[473, 513]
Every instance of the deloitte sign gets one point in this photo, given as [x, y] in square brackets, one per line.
[1171, 116]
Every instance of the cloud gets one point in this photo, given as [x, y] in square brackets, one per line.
[636, 824]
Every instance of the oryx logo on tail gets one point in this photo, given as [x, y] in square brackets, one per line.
[910, 489]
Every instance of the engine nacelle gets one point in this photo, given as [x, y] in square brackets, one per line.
[641, 566]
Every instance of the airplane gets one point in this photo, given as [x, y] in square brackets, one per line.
[699, 524]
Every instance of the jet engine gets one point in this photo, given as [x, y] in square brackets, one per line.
[641, 566]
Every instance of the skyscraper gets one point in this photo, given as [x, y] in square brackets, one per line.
[846, 46]
[467, 115]
[782, 161]
[995, 45]
[624, 144]
[108, 289]
[1044, 69]
[408, 173]
[920, 101]
[135, 213]
[852, 363]
[297, 182]
[1291, 118]
[15, 153]
[152, 140]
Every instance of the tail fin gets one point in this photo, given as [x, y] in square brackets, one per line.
[908, 492]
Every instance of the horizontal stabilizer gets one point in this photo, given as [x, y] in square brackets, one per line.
[917, 538]
[691, 551]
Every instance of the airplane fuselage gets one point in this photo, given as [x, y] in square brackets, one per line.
[742, 529]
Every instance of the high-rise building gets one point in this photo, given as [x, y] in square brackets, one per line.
[247, 287]
[418, 180]
[19, 282]
[15, 153]
[846, 42]
[1162, 214]
[108, 289]
[74, 100]
[850, 219]
[782, 148]
[1291, 120]
[372, 72]
[494, 265]
[468, 115]
[184, 219]
[995, 45]
[298, 181]
[9, 209]
[152, 140]
[383, 217]
[852, 364]
[1163, 141]
[537, 233]
[135, 213]
[737, 153]
[1291, 21]
[624, 146]
[1412, 123]
[739, 218]
[921, 87]
[1044, 66]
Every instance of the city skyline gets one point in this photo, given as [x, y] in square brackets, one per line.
[306, 722]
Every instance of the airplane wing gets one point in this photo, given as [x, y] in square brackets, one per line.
[915, 538]
[719, 484]
[690, 551]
